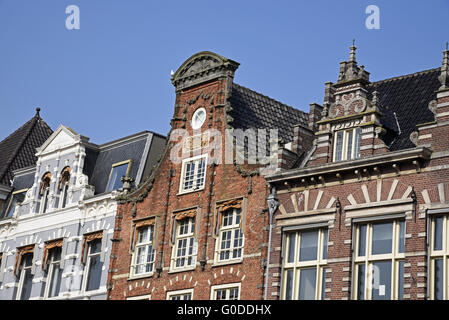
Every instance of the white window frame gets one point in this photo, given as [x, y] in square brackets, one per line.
[189, 236]
[87, 266]
[225, 229]
[182, 293]
[44, 201]
[118, 164]
[439, 254]
[296, 266]
[52, 265]
[344, 148]
[22, 274]
[182, 190]
[395, 257]
[143, 297]
[11, 201]
[227, 287]
[147, 244]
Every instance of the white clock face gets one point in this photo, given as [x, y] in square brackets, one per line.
[198, 118]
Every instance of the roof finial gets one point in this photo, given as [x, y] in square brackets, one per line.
[352, 52]
[37, 112]
[444, 75]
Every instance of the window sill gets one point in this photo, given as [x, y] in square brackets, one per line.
[141, 276]
[189, 191]
[225, 263]
[181, 270]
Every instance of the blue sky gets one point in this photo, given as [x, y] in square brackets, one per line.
[111, 78]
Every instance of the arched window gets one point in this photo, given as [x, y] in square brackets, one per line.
[63, 186]
[44, 192]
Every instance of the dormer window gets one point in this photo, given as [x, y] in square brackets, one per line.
[63, 186]
[16, 198]
[347, 144]
[44, 192]
[119, 170]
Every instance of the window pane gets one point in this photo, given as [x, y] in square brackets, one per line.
[117, 173]
[349, 142]
[289, 285]
[382, 238]
[438, 234]
[308, 246]
[307, 284]
[362, 240]
[401, 236]
[358, 142]
[339, 146]
[55, 281]
[361, 282]
[16, 199]
[94, 276]
[439, 279]
[27, 285]
[291, 247]
[401, 280]
[323, 284]
[381, 280]
[325, 239]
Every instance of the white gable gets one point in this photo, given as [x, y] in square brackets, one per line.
[62, 137]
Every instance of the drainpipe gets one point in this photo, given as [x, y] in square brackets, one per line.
[273, 204]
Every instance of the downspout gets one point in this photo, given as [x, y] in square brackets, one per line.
[273, 204]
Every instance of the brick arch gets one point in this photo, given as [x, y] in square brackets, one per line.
[308, 200]
[379, 190]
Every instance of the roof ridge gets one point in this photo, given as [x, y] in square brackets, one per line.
[410, 75]
[267, 97]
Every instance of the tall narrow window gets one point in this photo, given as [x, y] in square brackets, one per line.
[184, 250]
[304, 269]
[91, 258]
[54, 274]
[439, 258]
[144, 252]
[379, 261]
[44, 192]
[23, 270]
[64, 187]
[119, 170]
[17, 197]
[230, 244]
[193, 174]
[347, 144]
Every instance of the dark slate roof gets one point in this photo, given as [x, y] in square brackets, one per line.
[24, 181]
[408, 96]
[98, 164]
[251, 109]
[19, 148]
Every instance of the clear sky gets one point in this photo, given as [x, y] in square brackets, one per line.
[111, 78]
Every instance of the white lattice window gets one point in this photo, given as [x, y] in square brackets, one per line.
[347, 144]
[193, 175]
[379, 261]
[185, 248]
[439, 258]
[304, 265]
[25, 277]
[54, 275]
[144, 252]
[180, 295]
[231, 238]
[226, 292]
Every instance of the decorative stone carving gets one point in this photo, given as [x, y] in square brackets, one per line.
[347, 104]
[433, 106]
[201, 67]
[414, 137]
